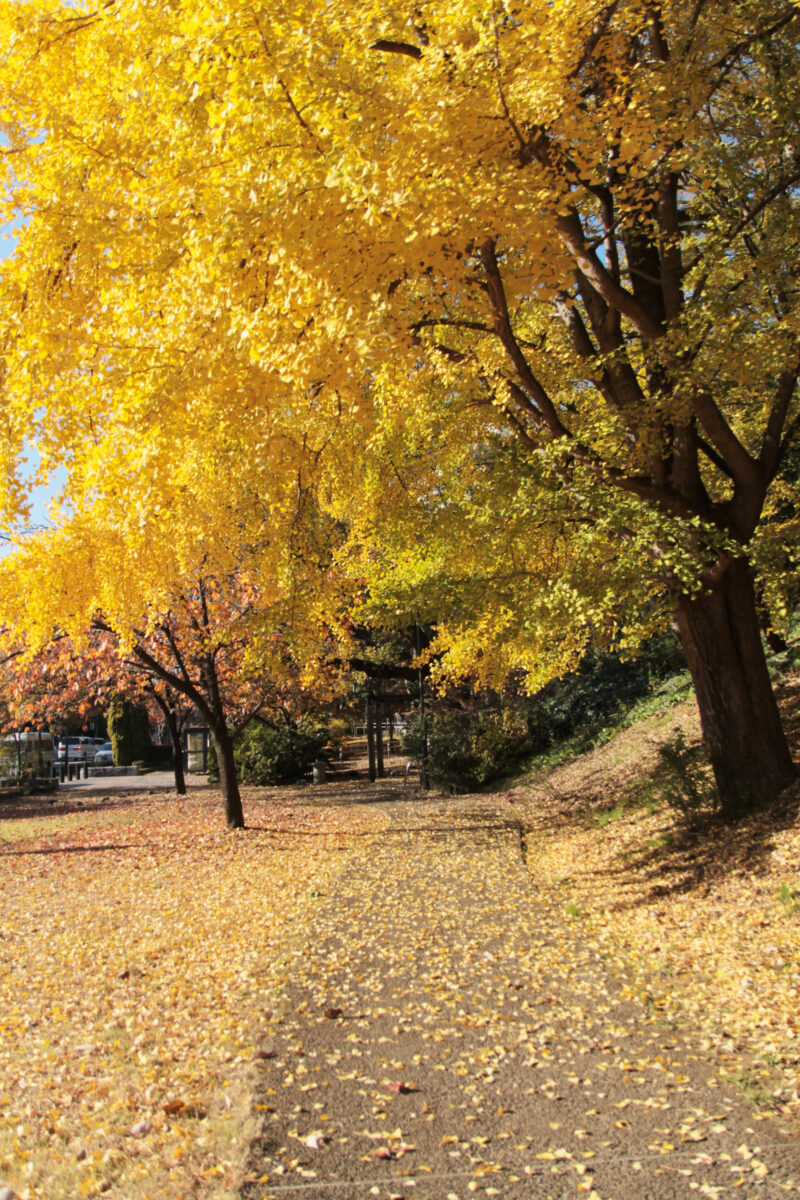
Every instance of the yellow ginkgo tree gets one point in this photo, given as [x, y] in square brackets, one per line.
[550, 244]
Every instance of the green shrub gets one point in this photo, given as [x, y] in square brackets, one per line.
[269, 754]
[467, 750]
[128, 731]
[685, 780]
[602, 691]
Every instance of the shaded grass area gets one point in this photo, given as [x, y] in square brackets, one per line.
[668, 694]
[701, 918]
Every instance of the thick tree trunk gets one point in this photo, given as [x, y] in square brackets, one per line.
[228, 781]
[739, 714]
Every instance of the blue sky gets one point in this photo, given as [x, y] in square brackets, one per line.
[41, 496]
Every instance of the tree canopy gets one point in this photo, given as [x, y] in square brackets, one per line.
[517, 278]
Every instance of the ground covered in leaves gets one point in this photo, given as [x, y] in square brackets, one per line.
[449, 1032]
[573, 987]
[141, 945]
[702, 919]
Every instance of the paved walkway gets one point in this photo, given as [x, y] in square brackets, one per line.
[152, 781]
[448, 1035]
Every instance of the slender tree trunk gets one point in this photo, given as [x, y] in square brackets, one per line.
[379, 732]
[423, 766]
[739, 714]
[370, 740]
[228, 781]
[171, 722]
[177, 751]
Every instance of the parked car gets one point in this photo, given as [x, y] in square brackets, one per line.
[81, 749]
[104, 756]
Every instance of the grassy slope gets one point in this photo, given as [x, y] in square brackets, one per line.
[702, 919]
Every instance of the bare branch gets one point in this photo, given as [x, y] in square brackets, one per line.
[713, 457]
[743, 468]
[572, 235]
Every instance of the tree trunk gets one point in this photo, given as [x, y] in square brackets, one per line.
[228, 782]
[171, 722]
[370, 741]
[739, 714]
[379, 733]
[177, 750]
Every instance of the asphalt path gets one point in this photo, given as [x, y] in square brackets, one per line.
[162, 781]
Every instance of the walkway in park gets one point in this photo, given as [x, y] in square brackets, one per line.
[152, 781]
[446, 1034]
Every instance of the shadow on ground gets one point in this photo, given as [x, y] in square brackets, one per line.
[622, 779]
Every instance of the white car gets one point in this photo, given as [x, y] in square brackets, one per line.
[81, 749]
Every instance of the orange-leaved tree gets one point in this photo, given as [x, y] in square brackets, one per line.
[206, 651]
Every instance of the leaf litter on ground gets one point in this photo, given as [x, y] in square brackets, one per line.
[699, 917]
[140, 943]
[534, 1072]
[145, 941]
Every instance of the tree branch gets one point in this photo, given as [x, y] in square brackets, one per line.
[186, 688]
[771, 449]
[387, 47]
[502, 324]
[713, 457]
[572, 236]
[743, 469]
[289, 100]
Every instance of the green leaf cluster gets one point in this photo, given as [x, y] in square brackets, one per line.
[270, 754]
[129, 731]
[467, 750]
